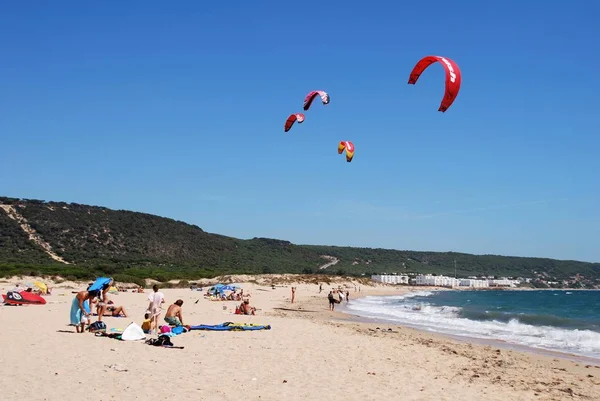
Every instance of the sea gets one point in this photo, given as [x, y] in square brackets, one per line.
[566, 321]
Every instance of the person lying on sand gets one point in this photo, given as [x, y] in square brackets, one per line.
[246, 309]
[114, 311]
[103, 298]
[173, 315]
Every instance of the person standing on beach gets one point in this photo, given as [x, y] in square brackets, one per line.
[156, 300]
[103, 299]
[320, 288]
[331, 301]
[293, 294]
[347, 296]
[80, 309]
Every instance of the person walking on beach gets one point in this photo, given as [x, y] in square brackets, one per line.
[331, 301]
[293, 294]
[320, 288]
[347, 296]
[156, 300]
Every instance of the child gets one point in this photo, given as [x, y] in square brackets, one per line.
[84, 320]
[146, 325]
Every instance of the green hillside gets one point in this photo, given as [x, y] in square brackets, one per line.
[96, 240]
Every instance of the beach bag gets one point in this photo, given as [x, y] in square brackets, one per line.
[97, 326]
[162, 340]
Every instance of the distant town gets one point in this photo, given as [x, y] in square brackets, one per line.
[431, 280]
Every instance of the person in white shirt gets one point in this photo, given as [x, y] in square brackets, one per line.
[156, 300]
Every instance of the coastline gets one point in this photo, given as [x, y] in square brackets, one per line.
[472, 339]
[309, 351]
[480, 341]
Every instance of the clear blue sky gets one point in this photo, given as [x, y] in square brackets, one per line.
[178, 110]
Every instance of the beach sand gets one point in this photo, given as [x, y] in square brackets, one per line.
[309, 354]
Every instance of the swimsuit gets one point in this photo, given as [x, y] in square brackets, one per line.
[173, 320]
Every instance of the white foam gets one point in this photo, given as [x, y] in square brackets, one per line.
[445, 319]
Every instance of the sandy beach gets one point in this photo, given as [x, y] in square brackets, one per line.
[310, 353]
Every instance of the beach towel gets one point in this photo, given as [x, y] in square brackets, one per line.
[179, 330]
[230, 326]
[75, 315]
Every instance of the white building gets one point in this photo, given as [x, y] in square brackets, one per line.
[504, 282]
[390, 278]
[471, 282]
[437, 281]
[474, 283]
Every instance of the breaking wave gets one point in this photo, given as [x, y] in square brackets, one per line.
[537, 331]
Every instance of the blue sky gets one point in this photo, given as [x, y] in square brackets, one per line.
[178, 110]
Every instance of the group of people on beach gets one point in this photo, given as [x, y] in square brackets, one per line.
[84, 301]
[81, 308]
[336, 296]
[242, 309]
[173, 316]
[81, 312]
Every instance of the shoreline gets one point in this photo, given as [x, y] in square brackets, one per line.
[471, 339]
[482, 341]
[307, 352]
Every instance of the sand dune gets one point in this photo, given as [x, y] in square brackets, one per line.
[309, 354]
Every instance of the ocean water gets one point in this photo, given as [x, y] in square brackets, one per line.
[555, 320]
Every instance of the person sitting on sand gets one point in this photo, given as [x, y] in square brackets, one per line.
[173, 315]
[246, 309]
[147, 323]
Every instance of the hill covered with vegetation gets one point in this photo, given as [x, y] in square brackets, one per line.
[77, 240]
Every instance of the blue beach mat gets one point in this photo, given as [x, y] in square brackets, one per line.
[230, 326]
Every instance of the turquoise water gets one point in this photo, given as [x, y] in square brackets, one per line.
[557, 320]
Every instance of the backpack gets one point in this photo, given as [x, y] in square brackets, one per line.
[97, 326]
[162, 340]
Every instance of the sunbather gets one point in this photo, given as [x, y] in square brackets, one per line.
[246, 309]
